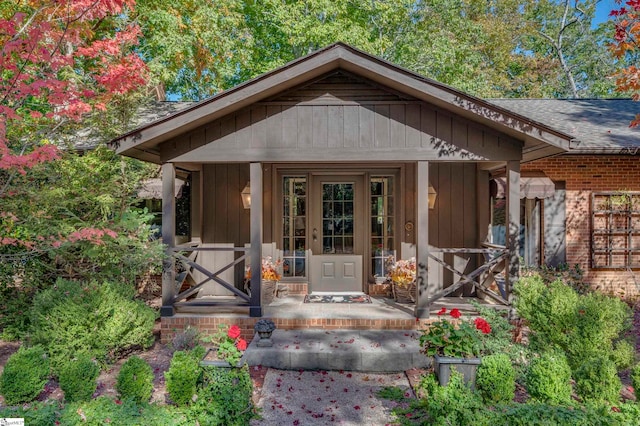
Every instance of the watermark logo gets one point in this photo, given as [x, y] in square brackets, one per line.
[11, 422]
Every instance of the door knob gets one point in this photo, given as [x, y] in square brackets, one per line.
[315, 234]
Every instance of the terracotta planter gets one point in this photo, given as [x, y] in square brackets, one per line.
[443, 365]
[404, 293]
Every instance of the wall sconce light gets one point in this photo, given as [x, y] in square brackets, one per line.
[246, 196]
[432, 197]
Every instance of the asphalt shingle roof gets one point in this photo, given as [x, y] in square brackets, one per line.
[598, 125]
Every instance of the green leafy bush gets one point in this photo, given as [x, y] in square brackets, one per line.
[635, 380]
[624, 354]
[135, 380]
[454, 404]
[224, 397]
[583, 326]
[597, 380]
[182, 377]
[548, 378]
[98, 319]
[77, 378]
[24, 375]
[91, 190]
[550, 310]
[496, 379]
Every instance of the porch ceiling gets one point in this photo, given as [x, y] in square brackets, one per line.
[538, 140]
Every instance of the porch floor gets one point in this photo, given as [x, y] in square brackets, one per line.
[293, 307]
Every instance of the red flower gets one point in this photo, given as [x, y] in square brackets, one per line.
[234, 332]
[455, 313]
[241, 344]
[442, 311]
[482, 325]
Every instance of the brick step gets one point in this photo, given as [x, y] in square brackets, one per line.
[349, 350]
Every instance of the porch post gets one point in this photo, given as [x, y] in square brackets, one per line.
[168, 239]
[422, 241]
[255, 179]
[513, 224]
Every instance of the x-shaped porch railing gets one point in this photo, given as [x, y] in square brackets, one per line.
[482, 277]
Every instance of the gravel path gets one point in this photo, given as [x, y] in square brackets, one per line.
[327, 398]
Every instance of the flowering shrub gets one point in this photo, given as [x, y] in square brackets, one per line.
[229, 343]
[445, 338]
[270, 269]
[401, 272]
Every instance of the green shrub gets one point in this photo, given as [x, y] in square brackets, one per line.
[550, 310]
[548, 378]
[624, 354]
[454, 404]
[24, 375]
[597, 380]
[224, 397]
[635, 380]
[135, 380]
[496, 379]
[99, 319]
[600, 320]
[583, 326]
[78, 378]
[182, 377]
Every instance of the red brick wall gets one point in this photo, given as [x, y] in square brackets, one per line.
[208, 324]
[584, 174]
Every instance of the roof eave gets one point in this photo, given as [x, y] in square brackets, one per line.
[147, 137]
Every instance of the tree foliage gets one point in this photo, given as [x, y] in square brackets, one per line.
[59, 61]
[626, 47]
[496, 48]
[66, 65]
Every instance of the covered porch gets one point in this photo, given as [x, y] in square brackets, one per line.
[339, 153]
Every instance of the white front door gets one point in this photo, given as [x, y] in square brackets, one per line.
[337, 233]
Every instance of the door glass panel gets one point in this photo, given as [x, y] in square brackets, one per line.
[294, 226]
[381, 221]
[337, 218]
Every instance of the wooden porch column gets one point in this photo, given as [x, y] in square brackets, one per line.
[513, 224]
[255, 179]
[196, 206]
[168, 238]
[422, 242]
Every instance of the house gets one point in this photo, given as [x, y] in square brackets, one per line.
[346, 159]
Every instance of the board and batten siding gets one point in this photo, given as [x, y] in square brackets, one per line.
[337, 119]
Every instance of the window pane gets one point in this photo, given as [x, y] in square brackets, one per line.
[294, 226]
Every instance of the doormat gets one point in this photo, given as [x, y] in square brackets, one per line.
[337, 298]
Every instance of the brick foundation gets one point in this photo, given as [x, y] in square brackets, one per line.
[295, 288]
[584, 174]
[209, 324]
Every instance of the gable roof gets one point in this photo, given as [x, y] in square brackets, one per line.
[597, 125]
[539, 140]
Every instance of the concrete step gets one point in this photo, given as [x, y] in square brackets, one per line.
[349, 350]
